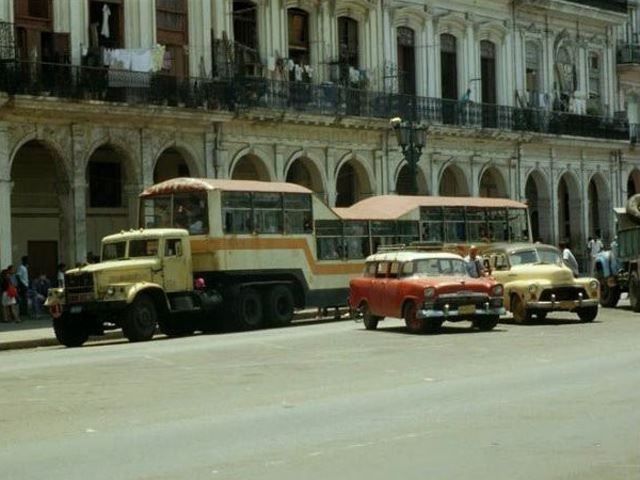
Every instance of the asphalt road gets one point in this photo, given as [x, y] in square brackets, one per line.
[558, 400]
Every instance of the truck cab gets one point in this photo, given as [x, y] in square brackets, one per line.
[143, 278]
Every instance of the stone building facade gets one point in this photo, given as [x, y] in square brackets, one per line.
[535, 100]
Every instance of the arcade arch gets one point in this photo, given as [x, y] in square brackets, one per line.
[302, 171]
[171, 164]
[453, 182]
[598, 207]
[250, 167]
[539, 201]
[633, 183]
[492, 184]
[404, 181]
[569, 209]
[352, 183]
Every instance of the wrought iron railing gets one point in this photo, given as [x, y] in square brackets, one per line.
[244, 94]
[628, 53]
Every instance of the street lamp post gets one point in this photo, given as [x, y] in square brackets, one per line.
[412, 140]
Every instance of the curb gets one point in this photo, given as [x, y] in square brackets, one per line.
[117, 334]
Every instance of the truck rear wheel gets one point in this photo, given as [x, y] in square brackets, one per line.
[609, 296]
[70, 332]
[140, 320]
[634, 291]
[247, 311]
[279, 305]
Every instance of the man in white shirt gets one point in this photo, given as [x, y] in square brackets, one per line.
[475, 268]
[596, 247]
[569, 259]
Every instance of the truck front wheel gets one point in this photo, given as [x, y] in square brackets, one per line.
[279, 306]
[140, 320]
[247, 311]
[70, 333]
[484, 324]
[587, 314]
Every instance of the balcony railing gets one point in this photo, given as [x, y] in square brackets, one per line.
[244, 94]
[628, 53]
[612, 5]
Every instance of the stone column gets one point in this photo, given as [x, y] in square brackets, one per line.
[469, 70]
[553, 200]
[433, 60]
[147, 153]
[210, 164]
[6, 240]
[130, 194]
[80, 188]
[199, 38]
[278, 166]
[79, 34]
[330, 165]
[476, 166]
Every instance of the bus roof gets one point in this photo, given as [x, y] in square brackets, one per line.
[193, 185]
[390, 207]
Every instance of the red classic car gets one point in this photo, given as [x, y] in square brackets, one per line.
[424, 288]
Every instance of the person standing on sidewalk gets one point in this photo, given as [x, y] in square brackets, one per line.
[23, 285]
[8, 293]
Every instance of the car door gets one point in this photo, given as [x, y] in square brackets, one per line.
[377, 299]
[176, 271]
[392, 291]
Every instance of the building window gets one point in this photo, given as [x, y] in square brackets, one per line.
[106, 24]
[406, 61]
[533, 78]
[105, 185]
[245, 24]
[594, 84]
[449, 66]
[348, 41]
[298, 36]
[172, 22]
[488, 71]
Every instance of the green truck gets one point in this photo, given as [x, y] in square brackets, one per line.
[618, 269]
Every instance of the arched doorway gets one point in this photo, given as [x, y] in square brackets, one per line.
[250, 167]
[453, 183]
[41, 210]
[569, 211]
[352, 184]
[492, 185]
[633, 183]
[537, 195]
[112, 197]
[404, 181]
[598, 208]
[304, 172]
[170, 164]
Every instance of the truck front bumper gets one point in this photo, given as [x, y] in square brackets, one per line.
[563, 304]
[95, 308]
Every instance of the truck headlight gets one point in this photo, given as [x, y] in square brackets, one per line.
[429, 292]
[497, 291]
[593, 285]
[111, 291]
[533, 288]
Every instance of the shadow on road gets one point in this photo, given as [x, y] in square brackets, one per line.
[445, 330]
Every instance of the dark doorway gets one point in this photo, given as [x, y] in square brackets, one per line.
[43, 258]
[449, 77]
[406, 61]
[489, 89]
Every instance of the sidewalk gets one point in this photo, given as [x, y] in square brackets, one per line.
[38, 332]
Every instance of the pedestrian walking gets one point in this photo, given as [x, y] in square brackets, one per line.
[9, 295]
[60, 275]
[22, 277]
[475, 268]
[569, 259]
[595, 247]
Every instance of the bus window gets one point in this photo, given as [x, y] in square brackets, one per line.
[190, 213]
[454, 224]
[236, 212]
[476, 225]
[431, 224]
[383, 232]
[156, 212]
[297, 213]
[407, 232]
[518, 227]
[267, 212]
[497, 219]
[356, 239]
[329, 239]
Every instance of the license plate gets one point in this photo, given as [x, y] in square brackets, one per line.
[467, 309]
[76, 309]
[567, 304]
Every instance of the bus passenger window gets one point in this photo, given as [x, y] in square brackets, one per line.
[297, 213]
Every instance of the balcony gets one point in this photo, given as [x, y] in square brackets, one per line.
[611, 5]
[628, 54]
[245, 94]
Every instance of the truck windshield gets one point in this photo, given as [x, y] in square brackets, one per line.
[143, 248]
[113, 251]
[550, 256]
[523, 257]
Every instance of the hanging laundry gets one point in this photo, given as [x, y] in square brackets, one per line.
[106, 13]
[297, 73]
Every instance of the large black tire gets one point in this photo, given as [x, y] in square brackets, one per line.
[633, 206]
[140, 320]
[609, 296]
[70, 332]
[279, 305]
[369, 319]
[484, 324]
[587, 314]
[634, 291]
[247, 309]
[541, 316]
[520, 313]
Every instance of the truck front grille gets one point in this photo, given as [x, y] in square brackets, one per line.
[78, 287]
[563, 294]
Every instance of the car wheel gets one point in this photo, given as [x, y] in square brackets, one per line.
[414, 324]
[519, 310]
[370, 321]
[484, 324]
[587, 314]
